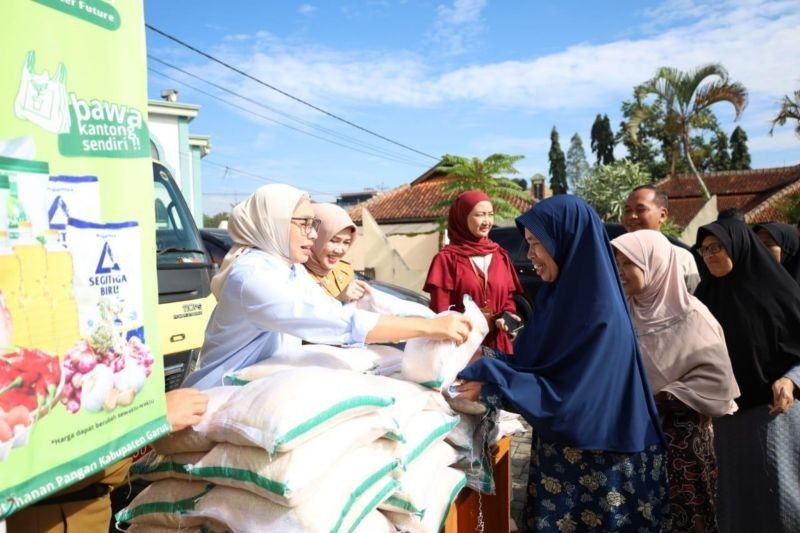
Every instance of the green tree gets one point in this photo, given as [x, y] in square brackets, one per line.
[740, 155]
[789, 207]
[790, 110]
[607, 187]
[522, 182]
[490, 175]
[577, 166]
[213, 221]
[558, 165]
[651, 149]
[720, 157]
[687, 97]
[603, 140]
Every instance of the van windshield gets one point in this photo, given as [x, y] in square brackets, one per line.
[177, 240]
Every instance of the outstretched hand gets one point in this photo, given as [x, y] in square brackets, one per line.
[453, 327]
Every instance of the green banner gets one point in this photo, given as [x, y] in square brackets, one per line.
[81, 379]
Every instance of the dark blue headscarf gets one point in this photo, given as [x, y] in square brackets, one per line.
[577, 375]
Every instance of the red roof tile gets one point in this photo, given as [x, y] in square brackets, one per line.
[748, 190]
[415, 202]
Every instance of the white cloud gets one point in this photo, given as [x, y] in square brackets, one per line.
[306, 9]
[756, 42]
[458, 24]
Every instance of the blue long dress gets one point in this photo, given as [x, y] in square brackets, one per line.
[598, 460]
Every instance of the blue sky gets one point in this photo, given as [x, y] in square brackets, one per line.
[467, 77]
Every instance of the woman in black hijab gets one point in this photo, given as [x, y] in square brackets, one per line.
[758, 305]
[783, 241]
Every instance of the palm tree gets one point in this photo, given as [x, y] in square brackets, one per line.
[687, 97]
[489, 175]
[790, 110]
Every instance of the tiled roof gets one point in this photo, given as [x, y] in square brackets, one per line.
[415, 202]
[752, 191]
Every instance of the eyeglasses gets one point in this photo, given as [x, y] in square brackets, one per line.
[711, 249]
[308, 224]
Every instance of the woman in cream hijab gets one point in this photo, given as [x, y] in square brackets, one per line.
[268, 303]
[687, 364]
[337, 233]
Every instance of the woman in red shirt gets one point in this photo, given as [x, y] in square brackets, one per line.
[475, 265]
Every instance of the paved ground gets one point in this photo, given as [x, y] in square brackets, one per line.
[520, 459]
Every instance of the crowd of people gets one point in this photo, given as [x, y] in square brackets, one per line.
[660, 388]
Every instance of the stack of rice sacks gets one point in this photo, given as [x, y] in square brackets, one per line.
[304, 448]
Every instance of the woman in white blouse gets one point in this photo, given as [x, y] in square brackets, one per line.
[267, 302]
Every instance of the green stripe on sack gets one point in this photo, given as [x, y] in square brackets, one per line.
[432, 384]
[177, 507]
[453, 495]
[436, 433]
[374, 502]
[406, 506]
[365, 485]
[346, 405]
[240, 474]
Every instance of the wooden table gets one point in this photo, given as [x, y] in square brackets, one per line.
[463, 514]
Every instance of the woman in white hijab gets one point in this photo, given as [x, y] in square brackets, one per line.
[267, 302]
[687, 364]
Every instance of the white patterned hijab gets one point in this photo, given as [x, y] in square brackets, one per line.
[261, 222]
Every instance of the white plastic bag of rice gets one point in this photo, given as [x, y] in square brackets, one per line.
[281, 411]
[462, 435]
[436, 364]
[447, 483]
[349, 491]
[194, 438]
[291, 477]
[75, 196]
[167, 503]
[107, 273]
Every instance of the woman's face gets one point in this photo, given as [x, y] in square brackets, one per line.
[301, 234]
[716, 257]
[542, 262]
[769, 242]
[481, 219]
[336, 248]
[630, 275]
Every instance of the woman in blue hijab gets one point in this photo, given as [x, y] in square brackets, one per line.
[597, 460]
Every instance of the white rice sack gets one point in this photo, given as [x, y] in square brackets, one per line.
[107, 273]
[290, 478]
[166, 503]
[341, 498]
[463, 434]
[410, 400]
[257, 371]
[153, 467]
[422, 431]
[194, 438]
[281, 411]
[384, 303]
[447, 484]
[388, 359]
[435, 364]
[72, 196]
[318, 355]
[415, 486]
[375, 522]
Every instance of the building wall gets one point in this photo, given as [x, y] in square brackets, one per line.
[165, 131]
